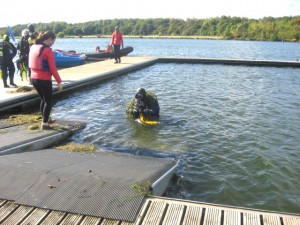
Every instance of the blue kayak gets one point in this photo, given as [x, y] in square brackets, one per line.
[68, 59]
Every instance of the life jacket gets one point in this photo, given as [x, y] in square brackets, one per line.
[38, 62]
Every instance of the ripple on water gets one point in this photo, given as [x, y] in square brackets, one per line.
[234, 129]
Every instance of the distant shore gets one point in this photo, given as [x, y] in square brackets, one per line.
[152, 36]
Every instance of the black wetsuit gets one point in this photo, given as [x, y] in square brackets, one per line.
[148, 106]
[7, 65]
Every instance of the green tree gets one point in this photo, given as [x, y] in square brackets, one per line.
[267, 28]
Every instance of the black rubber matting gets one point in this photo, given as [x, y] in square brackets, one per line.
[97, 184]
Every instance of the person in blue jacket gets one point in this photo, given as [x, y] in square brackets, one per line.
[9, 51]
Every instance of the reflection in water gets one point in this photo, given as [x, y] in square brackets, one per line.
[234, 129]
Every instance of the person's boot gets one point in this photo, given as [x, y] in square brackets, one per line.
[5, 84]
[13, 84]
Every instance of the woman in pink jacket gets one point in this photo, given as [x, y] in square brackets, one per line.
[42, 66]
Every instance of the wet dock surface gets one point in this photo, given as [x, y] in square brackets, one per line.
[16, 138]
[102, 184]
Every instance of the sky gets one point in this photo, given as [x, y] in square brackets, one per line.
[76, 11]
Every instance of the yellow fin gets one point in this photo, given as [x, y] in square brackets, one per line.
[149, 122]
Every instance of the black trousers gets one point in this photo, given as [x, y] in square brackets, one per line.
[44, 89]
[117, 53]
[8, 69]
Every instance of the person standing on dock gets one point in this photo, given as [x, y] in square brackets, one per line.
[23, 48]
[31, 40]
[117, 41]
[9, 51]
[42, 66]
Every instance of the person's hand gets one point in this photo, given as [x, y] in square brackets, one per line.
[59, 87]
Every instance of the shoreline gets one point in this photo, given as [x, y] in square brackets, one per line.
[152, 37]
[173, 37]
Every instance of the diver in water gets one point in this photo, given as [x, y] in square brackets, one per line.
[145, 103]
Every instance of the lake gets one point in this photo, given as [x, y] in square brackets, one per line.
[235, 129]
[192, 48]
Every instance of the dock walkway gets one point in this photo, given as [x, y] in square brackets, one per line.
[73, 78]
[154, 211]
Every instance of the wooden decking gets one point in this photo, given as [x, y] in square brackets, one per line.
[155, 211]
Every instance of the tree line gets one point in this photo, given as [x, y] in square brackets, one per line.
[225, 27]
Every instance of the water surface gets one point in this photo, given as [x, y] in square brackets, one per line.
[235, 129]
[192, 48]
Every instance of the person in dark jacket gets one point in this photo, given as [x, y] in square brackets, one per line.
[32, 34]
[145, 103]
[23, 48]
[31, 40]
[9, 51]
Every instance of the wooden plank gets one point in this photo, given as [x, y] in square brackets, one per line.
[269, 219]
[154, 214]
[251, 218]
[212, 216]
[110, 222]
[192, 215]
[129, 223]
[18, 215]
[2, 202]
[174, 214]
[291, 220]
[35, 217]
[53, 218]
[232, 217]
[72, 219]
[6, 209]
[154, 211]
[90, 220]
